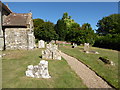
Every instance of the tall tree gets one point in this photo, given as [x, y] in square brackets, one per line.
[109, 25]
[44, 30]
[60, 29]
[64, 25]
[38, 22]
[89, 34]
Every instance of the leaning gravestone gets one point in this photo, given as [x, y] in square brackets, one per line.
[86, 47]
[38, 71]
[51, 52]
[41, 44]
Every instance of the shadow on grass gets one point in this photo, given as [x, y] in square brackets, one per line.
[40, 56]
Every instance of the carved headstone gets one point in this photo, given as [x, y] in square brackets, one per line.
[41, 44]
[86, 47]
[51, 52]
[38, 71]
[74, 45]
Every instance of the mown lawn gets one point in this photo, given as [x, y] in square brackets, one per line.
[14, 65]
[108, 72]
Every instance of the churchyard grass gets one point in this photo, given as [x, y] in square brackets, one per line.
[108, 72]
[15, 63]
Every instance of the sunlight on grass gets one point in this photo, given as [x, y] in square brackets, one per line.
[108, 72]
[15, 64]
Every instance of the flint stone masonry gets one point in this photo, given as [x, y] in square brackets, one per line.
[51, 52]
[1, 44]
[41, 44]
[38, 71]
[19, 38]
[16, 29]
[86, 47]
[4, 12]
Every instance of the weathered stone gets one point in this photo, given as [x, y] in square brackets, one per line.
[1, 44]
[18, 29]
[19, 38]
[96, 53]
[31, 41]
[29, 71]
[41, 44]
[86, 47]
[38, 71]
[112, 63]
[81, 44]
[52, 41]
[51, 52]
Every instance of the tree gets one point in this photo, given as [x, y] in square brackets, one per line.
[64, 25]
[82, 34]
[60, 29]
[38, 22]
[108, 32]
[44, 30]
[109, 25]
[65, 16]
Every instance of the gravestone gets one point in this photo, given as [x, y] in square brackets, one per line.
[81, 44]
[74, 45]
[41, 44]
[86, 47]
[38, 71]
[52, 41]
[51, 52]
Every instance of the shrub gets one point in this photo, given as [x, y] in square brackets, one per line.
[109, 41]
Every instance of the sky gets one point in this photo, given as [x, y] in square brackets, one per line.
[81, 12]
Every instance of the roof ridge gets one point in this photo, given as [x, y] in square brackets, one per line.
[19, 13]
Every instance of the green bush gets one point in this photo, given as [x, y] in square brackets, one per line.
[111, 41]
[36, 40]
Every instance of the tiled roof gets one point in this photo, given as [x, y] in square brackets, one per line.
[17, 19]
[3, 6]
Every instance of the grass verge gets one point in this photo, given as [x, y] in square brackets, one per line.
[14, 65]
[108, 72]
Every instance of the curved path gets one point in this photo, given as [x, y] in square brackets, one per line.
[90, 79]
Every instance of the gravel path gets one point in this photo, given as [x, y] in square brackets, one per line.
[90, 79]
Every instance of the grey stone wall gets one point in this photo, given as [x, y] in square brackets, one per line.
[18, 38]
[1, 34]
[3, 15]
[31, 41]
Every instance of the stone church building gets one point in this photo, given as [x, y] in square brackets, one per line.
[16, 29]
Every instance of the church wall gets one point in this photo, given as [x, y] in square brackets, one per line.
[1, 34]
[3, 15]
[16, 38]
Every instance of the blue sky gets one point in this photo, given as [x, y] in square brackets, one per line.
[81, 12]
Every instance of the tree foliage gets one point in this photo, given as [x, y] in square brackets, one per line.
[44, 30]
[81, 34]
[109, 25]
[60, 29]
[69, 30]
[66, 29]
[108, 32]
